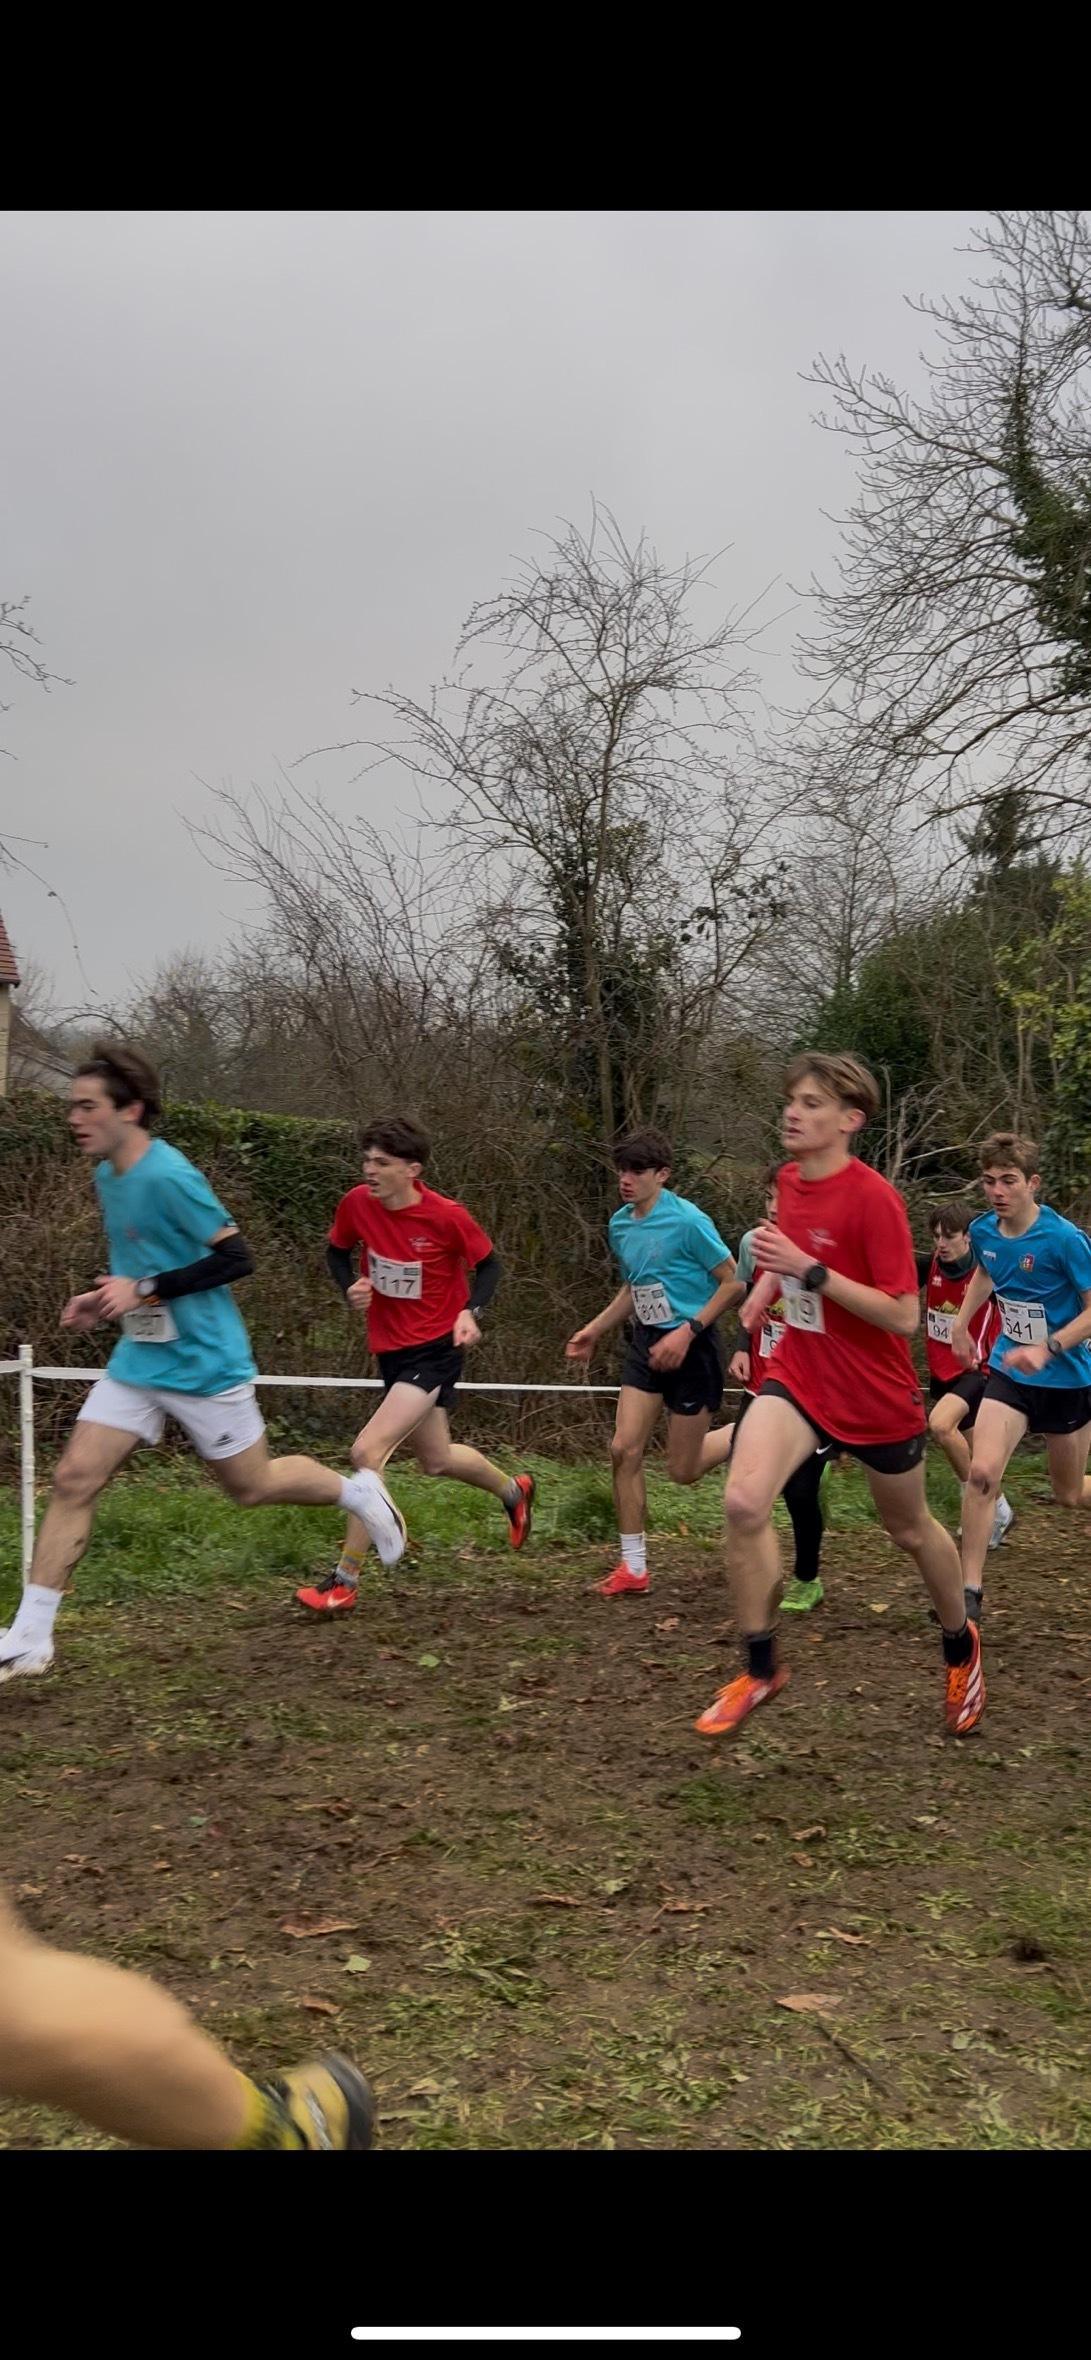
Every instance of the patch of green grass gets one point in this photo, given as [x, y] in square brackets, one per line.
[708, 1801]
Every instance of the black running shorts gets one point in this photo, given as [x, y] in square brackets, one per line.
[698, 1384]
[1048, 1409]
[884, 1458]
[969, 1387]
[432, 1368]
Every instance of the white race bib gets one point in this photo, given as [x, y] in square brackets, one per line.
[395, 1278]
[802, 1307]
[940, 1324]
[1023, 1323]
[651, 1305]
[152, 1324]
[770, 1337]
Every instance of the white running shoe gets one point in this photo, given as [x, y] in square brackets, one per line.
[1003, 1520]
[367, 1497]
[24, 1663]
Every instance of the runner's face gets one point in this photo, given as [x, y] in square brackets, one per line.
[640, 1189]
[98, 1127]
[814, 1120]
[952, 1249]
[771, 1204]
[390, 1177]
[1010, 1192]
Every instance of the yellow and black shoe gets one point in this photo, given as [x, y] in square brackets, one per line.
[324, 2104]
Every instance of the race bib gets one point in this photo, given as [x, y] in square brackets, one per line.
[803, 1308]
[1023, 1323]
[152, 1324]
[651, 1305]
[402, 1279]
[940, 1324]
[770, 1338]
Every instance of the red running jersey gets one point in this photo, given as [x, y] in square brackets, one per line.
[855, 1380]
[417, 1260]
[943, 1297]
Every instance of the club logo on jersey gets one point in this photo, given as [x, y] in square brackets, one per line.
[821, 1237]
[1027, 1262]
[420, 1244]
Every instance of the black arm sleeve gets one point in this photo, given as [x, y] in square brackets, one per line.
[220, 1267]
[486, 1279]
[339, 1265]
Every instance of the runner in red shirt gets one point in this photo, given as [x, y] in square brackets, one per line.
[841, 1372]
[416, 1249]
[749, 1365]
[954, 1390]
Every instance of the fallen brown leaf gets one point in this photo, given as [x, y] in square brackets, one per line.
[556, 1901]
[325, 1926]
[804, 1835]
[809, 2003]
[834, 1934]
[670, 1622]
[316, 2006]
[880, 1605]
[803, 1860]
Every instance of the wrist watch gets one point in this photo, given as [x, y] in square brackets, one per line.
[815, 1277]
[1054, 1346]
[695, 1324]
[145, 1288]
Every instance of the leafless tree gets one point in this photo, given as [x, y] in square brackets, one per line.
[954, 649]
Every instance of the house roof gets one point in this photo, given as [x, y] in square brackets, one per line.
[9, 972]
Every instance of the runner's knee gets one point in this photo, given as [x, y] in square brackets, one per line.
[909, 1532]
[1069, 1495]
[986, 1476]
[627, 1458]
[367, 1454]
[75, 1486]
[746, 1508]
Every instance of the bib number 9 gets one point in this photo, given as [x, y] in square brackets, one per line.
[803, 1308]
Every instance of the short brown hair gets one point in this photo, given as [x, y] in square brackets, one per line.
[770, 1177]
[397, 1134]
[644, 1151]
[952, 1217]
[1010, 1147]
[845, 1077]
[126, 1077]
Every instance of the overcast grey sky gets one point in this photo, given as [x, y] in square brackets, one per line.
[254, 460]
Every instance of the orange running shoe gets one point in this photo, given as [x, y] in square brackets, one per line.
[620, 1580]
[520, 1515]
[329, 1597]
[739, 1698]
[966, 1689]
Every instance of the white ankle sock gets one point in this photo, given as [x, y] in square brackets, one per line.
[634, 1552]
[36, 1614]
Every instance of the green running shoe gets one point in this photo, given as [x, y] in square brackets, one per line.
[799, 1597]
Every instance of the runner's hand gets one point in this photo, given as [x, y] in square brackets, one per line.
[466, 1331]
[116, 1296]
[582, 1344]
[669, 1351]
[82, 1311]
[963, 1346]
[1028, 1359]
[360, 1294]
[774, 1251]
[763, 1293]
[739, 1367]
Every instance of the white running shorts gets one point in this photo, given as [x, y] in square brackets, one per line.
[219, 1425]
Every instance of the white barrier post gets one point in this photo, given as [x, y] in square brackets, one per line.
[26, 1453]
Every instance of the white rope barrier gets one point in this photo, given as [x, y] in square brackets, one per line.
[29, 1375]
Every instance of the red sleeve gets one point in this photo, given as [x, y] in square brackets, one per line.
[888, 1244]
[345, 1231]
[469, 1237]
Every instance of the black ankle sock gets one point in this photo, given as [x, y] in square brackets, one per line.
[958, 1645]
[759, 1656]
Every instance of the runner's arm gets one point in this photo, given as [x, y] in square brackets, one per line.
[899, 1314]
[729, 1292]
[614, 1315]
[339, 1265]
[228, 1259]
[924, 1265]
[484, 1282]
[1032, 1358]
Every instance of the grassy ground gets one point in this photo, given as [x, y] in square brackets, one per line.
[553, 1915]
